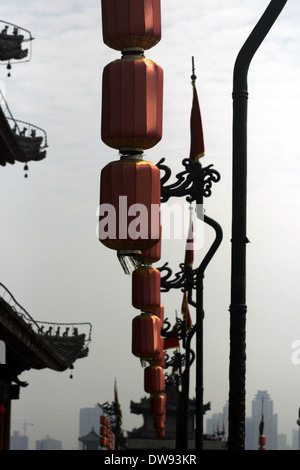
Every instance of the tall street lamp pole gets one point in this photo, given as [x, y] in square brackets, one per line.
[238, 308]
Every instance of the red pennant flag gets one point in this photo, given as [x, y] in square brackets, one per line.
[197, 140]
[172, 341]
[116, 399]
[185, 312]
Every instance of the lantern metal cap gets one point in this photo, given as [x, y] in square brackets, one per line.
[129, 260]
[133, 51]
[131, 152]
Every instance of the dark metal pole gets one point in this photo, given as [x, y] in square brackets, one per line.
[238, 308]
[199, 329]
[183, 407]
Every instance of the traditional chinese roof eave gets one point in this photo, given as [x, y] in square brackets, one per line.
[92, 436]
[12, 38]
[10, 149]
[28, 350]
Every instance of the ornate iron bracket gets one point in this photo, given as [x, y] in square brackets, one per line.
[181, 332]
[185, 279]
[178, 359]
[193, 183]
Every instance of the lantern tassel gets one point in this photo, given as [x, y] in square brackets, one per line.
[143, 362]
[129, 260]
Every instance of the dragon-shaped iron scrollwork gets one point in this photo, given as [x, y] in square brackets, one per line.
[194, 182]
[185, 279]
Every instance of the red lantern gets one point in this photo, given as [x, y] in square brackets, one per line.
[153, 254]
[159, 421]
[131, 23]
[2, 412]
[262, 442]
[145, 288]
[129, 205]
[103, 420]
[159, 359]
[158, 404]
[161, 433]
[132, 94]
[154, 379]
[103, 441]
[159, 312]
[146, 336]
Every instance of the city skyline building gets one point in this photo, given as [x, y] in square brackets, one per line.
[48, 443]
[218, 423]
[18, 442]
[89, 418]
[262, 406]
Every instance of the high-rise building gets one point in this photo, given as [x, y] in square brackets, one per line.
[262, 405]
[218, 423]
[296, 439]
[48, 444]
[89, 418]
[18, 442]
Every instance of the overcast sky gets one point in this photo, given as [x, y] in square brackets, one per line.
[51, 259]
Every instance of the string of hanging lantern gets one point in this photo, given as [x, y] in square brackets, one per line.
[131, 122]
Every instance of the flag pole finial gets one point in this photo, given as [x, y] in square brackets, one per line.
[193, 76]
